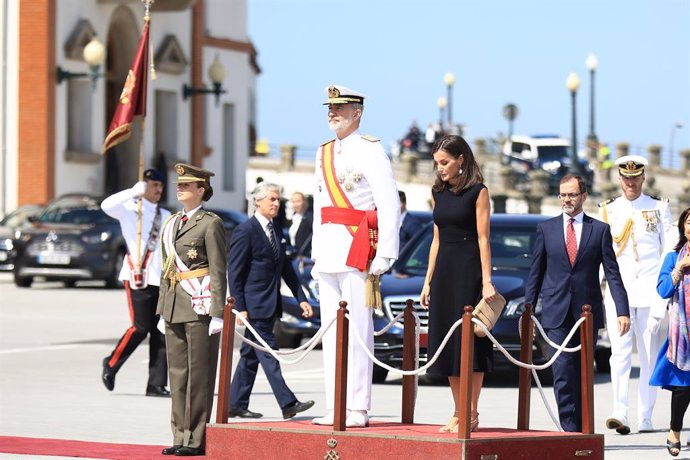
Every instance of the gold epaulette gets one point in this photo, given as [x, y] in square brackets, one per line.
[658, 198]
[604, 203]
[369, 138]
[328, 142]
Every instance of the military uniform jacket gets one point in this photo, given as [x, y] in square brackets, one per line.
[640, 233]
[365, 175]
[200, 243]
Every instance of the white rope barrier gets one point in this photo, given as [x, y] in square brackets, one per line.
[276, 353]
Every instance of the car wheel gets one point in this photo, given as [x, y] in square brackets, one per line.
[379, 375]
[70, 283]
[23, 281]
[113, 282]
[285, 339]
[601, 359]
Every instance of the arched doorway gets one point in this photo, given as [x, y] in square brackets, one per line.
[122, 161]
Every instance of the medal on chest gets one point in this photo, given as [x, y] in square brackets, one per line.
[192, 254]
[349, 178]
[651, 218]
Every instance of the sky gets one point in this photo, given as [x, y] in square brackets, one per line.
[500, 51]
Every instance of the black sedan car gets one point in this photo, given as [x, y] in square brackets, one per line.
[9, 225]
[512, 238]
[71, 240]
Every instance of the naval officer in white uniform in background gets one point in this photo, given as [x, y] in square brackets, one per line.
[639, 226]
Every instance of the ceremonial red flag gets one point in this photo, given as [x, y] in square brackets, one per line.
[133, 97]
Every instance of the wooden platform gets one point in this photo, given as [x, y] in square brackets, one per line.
[300, 439]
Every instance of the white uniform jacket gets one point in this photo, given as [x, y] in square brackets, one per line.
[123, 207]
[366, 176]
[640, 259]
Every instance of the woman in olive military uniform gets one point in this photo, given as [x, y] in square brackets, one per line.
[191, 301]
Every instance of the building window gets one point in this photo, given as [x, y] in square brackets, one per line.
[166, 125]
[229, 147]
[79, 116]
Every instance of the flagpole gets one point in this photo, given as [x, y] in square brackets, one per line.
[147, 19]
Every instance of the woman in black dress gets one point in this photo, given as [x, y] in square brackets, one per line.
[459, 271]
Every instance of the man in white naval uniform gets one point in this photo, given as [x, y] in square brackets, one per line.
[142, 288]
[639, 225]
[354, 188]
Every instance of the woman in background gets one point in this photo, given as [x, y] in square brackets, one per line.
[672, 371]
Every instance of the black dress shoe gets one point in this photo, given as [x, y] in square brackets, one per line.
[186, 451]
[157, 390]
[108, 376]
[243, 413]
[171, 450]
[296, 407]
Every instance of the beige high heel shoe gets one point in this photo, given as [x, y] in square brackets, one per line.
[474, 424]
[450, 426]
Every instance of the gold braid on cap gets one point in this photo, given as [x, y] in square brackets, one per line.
[333, 92]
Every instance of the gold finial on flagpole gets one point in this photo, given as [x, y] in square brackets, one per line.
[147, 18]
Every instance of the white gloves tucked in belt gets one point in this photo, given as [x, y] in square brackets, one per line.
[653, 324]
[215, 326]
[380, 265]
[161, 325]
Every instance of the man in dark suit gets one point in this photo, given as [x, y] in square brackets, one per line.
[301, 227]
[568, 251]
[409, 224]
[255, 269]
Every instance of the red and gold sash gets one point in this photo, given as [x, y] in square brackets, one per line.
[362, 225]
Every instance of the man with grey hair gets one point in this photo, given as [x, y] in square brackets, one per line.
[255, 269]
[355, 236]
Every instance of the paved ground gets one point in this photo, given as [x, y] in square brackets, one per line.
[52, 341]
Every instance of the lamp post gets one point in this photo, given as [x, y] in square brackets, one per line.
[449, 80]
[510, 113]
[94, 55]
[216, 72]
[676, 125]
[573, 83]
[442, 103]
[592, 140]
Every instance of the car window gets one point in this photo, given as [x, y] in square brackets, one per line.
[75, 212]
[552, 152]
[511, 248]
[18, 217]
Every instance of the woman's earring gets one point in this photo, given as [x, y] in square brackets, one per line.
[460, 172]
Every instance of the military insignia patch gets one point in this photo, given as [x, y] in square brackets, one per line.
[191, 254]
[179, 169]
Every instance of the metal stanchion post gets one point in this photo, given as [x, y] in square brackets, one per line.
[466, 367]
[409, 352]
[227, 343]
[587, 370]
[342, 330]
[525, 385]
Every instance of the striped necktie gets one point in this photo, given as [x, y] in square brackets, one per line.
[272, 240]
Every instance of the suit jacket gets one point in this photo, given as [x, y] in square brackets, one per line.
[565, 289]
[254, 275]
[303, 235]
[200, 243]
[409, 228]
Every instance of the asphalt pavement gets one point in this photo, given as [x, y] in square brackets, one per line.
[53, 340]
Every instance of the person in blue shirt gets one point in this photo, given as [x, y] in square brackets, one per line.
[672, 370]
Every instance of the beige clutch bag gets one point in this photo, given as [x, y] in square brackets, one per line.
[488, 313]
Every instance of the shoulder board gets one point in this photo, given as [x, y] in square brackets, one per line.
[604, 203]
[328, 142]
[369, 138]
[665, 200]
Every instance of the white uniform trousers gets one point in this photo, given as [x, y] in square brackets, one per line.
[621, 361]
[347, 286]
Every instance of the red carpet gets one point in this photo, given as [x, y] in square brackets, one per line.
[68, 448]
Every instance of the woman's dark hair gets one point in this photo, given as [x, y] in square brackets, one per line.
[208, 190]
[471, 175]
[682, 239]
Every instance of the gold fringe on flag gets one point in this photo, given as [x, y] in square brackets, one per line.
[372, 292]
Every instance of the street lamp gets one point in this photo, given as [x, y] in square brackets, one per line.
[442, 103]
[94, 55]
[510, 113]
[592, 141]
[216, 72]
[573, 83]
[449, 80]
[676, 125]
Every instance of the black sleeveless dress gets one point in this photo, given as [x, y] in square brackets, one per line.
[457, 280]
